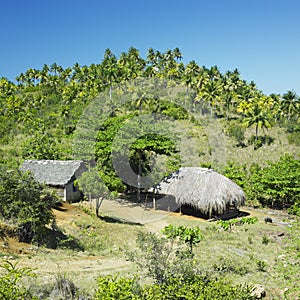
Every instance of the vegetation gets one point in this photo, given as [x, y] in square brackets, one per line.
[90, 183]
[24, 204]
[41, 118]
[275, 185]
[190, 236]
[39, 113]
[10, 282]
[176, 288]
[227, 224]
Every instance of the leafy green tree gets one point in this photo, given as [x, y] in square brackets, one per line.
[41, 145]
[90, 182]
[139, 148]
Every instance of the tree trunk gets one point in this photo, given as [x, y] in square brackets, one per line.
[139, 179]
[256, 131]
[98, 204]
[154, 201]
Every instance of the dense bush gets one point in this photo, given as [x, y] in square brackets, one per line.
[196, 287]
[278, 184]
[275, 185]
[22, 201]
[110, 288]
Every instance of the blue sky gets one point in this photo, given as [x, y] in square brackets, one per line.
[261, 38]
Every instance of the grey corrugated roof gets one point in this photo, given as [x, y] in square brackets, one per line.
[52, 172]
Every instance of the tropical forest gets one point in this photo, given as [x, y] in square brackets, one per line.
[153, 115]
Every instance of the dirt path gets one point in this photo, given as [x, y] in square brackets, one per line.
[151, 219]
[80, 267]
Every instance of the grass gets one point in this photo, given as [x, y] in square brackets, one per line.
[259, 253]
[243, 255]
[209, 145]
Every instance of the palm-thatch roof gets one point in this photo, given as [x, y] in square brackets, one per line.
[54, 172]
[203, 189]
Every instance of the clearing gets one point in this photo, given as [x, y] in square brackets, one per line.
[106, 240]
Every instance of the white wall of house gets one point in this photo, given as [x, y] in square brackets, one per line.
[71, 194]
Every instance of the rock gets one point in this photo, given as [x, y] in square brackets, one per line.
[258, 291]
[268, 220]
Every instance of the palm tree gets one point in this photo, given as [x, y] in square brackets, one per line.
[44, 74]
[189, 75]
[258, 117]
[211, 93]
[214, 73]
[110, 69]
[21, 79]
[290, 104]
[177, 54]
[151, 57]
[139, 99]
[77, 73]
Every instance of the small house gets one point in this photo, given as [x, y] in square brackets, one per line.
[57, 174]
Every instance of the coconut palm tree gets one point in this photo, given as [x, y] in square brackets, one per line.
[110, 69]
[290, 104]
[258, 117]
[151, 57]
[211, 93]
[190, 73]
[177, 54]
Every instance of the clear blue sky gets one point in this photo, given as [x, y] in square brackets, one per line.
[261, 38]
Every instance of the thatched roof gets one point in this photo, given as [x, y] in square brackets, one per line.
[203, 189]
[53, 172]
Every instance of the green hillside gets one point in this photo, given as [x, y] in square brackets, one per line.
[223, 119]
[157, 114]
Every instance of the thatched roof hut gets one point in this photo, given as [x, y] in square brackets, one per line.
[202, 189]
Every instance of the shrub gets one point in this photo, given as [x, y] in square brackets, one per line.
[227, 265]
[265, 240]
[110, 288]
[236, 130]
[197, 287]
[295, 209]
[190, 236]
[259, 141]
[293, 133]
[236, 173]
[277, 185]
[22, 201]
[10, 283]
[261, 265]
[175, 288]
[162, 258]
[227, 224]
[294, 138]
